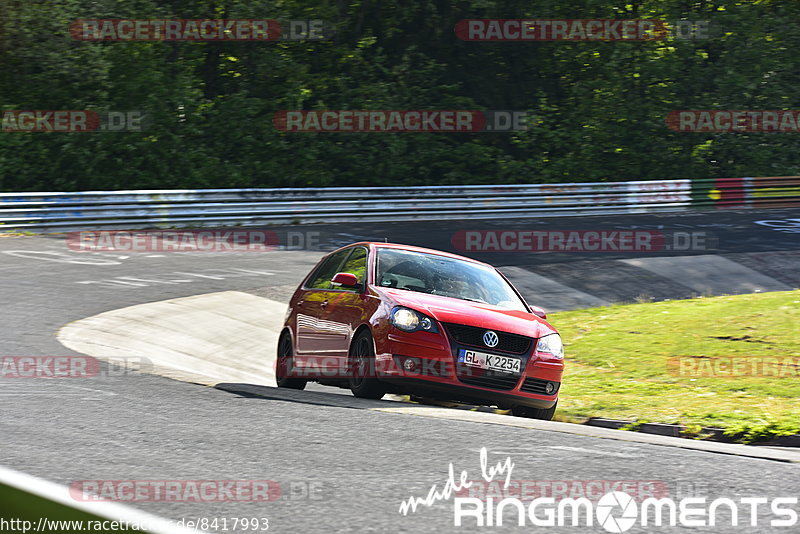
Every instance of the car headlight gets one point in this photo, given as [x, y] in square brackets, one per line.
[409, 320]
[551, 345]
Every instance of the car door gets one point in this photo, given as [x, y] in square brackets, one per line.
[345, 309]
[339, 311]
[313, 335]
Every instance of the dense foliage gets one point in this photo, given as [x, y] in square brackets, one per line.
[600, 106]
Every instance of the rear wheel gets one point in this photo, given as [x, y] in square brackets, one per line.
[361, 362]
[535, 413]
[285, 364]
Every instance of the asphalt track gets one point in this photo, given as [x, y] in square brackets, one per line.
[359, 463]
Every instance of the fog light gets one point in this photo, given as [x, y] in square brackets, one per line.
[409, 365]
[550, 388]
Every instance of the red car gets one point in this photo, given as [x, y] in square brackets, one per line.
[380, 318]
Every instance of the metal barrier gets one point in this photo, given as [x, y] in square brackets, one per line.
[252, 207]
[31, 504]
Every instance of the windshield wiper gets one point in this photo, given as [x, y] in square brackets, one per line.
[412, 289]
[472, 300]
[433, 292]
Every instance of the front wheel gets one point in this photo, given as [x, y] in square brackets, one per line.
[284, 365]
[535, 413]
[362, 381]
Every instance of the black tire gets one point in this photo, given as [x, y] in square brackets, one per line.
[284, 365]
[535, 413]
[361, 363]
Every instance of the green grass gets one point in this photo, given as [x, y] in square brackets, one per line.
[617, 363]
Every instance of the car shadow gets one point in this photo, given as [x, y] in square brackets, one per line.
[335, 399]
[301, 396]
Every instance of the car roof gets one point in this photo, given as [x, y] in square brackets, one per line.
[411, 248]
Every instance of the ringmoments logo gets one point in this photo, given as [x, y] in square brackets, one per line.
[614, 511]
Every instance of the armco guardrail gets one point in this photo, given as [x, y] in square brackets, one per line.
[31, 504]
[249, 207]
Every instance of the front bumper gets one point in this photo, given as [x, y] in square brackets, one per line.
[468, 394]
[437, 373]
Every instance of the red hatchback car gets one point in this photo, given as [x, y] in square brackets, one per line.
[381, 317]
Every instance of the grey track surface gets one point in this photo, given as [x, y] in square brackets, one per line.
[365, 462]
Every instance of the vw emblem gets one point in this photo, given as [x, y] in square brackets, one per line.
[490, 339]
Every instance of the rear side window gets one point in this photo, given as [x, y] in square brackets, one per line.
[321, 279]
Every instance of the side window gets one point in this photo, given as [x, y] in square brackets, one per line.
[356, 264]
[321, 279]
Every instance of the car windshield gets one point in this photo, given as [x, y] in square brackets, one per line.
[449, 277]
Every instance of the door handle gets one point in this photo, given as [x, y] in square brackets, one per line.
[323, 304]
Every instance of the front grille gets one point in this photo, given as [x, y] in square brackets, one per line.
[537, 386]
[490, 379]
[473, 336]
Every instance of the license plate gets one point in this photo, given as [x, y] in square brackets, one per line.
[492, 362]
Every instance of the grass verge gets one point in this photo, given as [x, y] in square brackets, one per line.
[666, 362]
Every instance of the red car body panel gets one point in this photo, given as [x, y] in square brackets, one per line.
[323, 323]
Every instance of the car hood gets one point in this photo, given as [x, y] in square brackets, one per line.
[451, 310]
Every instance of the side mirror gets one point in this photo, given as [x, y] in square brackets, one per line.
[345, 280]
[538, 311]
